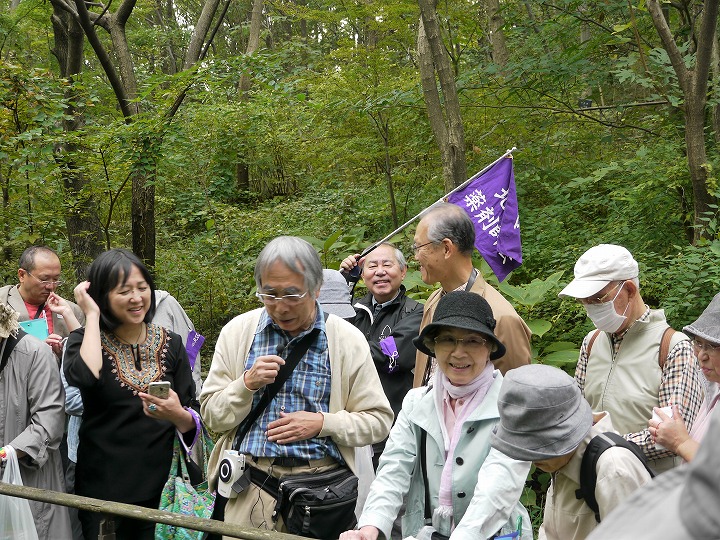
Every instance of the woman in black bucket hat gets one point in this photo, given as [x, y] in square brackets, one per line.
[438, 454]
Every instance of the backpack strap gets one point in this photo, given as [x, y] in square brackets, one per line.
[7, 346]
[588, 466]
[590, 343]
[665, 346]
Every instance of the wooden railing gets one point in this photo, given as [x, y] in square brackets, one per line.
[139, 512]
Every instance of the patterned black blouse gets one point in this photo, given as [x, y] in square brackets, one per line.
[125, 455]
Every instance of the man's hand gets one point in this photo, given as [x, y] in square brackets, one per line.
[293, 427]
[351, 262]
[55, 342]
[263, 372]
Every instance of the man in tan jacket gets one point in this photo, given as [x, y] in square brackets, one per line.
[443, 246]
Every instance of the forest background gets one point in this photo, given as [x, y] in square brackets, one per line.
[193, 133]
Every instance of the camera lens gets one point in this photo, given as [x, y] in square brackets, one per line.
[226, 470]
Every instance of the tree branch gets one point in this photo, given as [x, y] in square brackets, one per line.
[668, 42]
[705, 41]
[104, 59]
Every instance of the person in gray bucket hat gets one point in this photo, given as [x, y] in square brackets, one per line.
[678, 505]
[671, 432]
[545, 419]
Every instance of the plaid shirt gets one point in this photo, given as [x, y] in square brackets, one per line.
[678, 385]
[307, 389]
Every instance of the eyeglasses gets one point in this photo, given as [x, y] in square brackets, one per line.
[449, 343]
[415, 247]
[46, 282]
[707, 347]
[604, 297]
[290, 299]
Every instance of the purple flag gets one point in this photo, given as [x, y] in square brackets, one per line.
[491, 202]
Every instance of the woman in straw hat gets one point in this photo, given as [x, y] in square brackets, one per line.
[438, 453]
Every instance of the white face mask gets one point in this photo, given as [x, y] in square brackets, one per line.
[604, 316]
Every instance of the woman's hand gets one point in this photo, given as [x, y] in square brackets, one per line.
[169, 409]
[368, 532]
[668, 432]
[85, 301]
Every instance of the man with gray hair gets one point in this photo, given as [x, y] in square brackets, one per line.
[389, 319]
[443, 246]
[330, 404]
[634, 361]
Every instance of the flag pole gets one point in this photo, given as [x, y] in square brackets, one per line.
[441, 199]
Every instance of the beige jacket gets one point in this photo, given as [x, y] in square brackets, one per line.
[359, 411]
[619, 473]
[511, 330]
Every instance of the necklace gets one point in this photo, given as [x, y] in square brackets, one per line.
[135, 346]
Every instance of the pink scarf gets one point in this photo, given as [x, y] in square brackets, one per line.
[702, 421]
[451, 422]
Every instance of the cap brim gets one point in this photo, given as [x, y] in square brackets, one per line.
[652, 512]
[583, 288]
[458, 322]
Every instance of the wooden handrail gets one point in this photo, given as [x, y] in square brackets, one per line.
[140, 512]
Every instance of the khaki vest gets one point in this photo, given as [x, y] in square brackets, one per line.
[627, 384]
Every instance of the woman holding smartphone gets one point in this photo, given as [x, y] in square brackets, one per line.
[127, 435]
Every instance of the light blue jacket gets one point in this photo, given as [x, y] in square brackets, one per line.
[486, 484]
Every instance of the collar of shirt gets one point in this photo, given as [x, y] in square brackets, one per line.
[378, 306]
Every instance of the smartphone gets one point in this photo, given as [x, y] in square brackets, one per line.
[159, 389]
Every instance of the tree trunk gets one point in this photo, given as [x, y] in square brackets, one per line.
[143, 214]
[253, 39]
[433, 59]
[694, 84]
[201, 30]
[697, 162]
[715, 112]
[81, 217]
[500, 54]
[242, 170]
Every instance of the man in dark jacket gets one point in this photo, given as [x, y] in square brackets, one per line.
[389, 320]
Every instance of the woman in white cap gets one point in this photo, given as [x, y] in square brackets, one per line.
[671, 432]
[438, 453]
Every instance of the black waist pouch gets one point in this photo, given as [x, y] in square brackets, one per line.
[320, 505]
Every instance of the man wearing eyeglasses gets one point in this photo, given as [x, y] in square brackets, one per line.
[35, 297]
[443, 246]
[621, 368]
[389, 319]
[331, 403]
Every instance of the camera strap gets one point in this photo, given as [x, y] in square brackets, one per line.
[271, 390]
